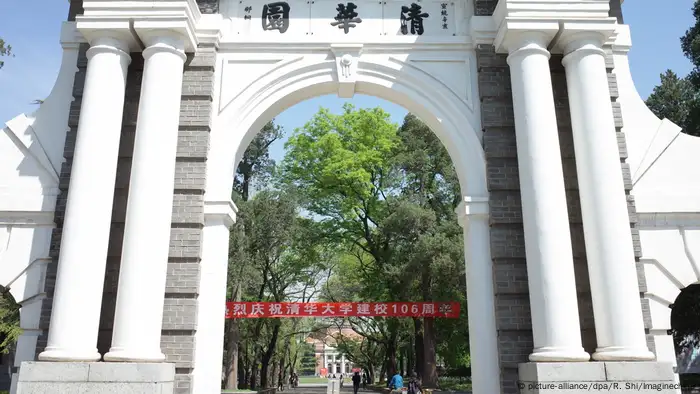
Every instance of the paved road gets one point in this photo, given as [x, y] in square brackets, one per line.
[321, 388]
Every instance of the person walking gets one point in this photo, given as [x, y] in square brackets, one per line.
[356, 382]
[414, 384]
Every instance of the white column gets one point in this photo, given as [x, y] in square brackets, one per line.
[342, 364]
[550, 266]
[77, 299]
[139, 310]
[473, 215]
[219, 216]
[609, 249]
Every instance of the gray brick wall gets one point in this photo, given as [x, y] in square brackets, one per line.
[182, 285]
[513, 320]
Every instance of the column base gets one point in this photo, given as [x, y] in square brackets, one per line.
[103, 378]
[63, 355]
[597, 377]
[557, 354]
[616, 353]
[118, 355]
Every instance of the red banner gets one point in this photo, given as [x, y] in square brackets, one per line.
[243, 310]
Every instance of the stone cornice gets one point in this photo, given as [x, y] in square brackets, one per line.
[135, 21]
[557, 20]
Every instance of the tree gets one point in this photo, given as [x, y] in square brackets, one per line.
[283, 264]
[5, 50]
[10, 330]
[255, 167]
[685, 318]
[674, 99]
[307, 365]
[386, 195]
[678, 99]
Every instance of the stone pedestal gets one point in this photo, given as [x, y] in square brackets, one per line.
[96, 378]
[597, 377]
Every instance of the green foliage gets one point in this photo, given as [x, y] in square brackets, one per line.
[5, 50]
[256, 166]
[685, 318]
[10, 330]
[379, 202]
[678, 99]
[386, 195]
[339, 160]
[675, 99]
[307, 364]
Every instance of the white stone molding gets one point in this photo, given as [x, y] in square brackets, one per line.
[483, 29]
[220, 212]
[134, 21]
[347, 57]
[550, 17]
[472, 206]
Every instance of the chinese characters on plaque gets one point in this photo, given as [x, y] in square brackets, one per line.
[249, 310]
[414, 15]
[275, 16]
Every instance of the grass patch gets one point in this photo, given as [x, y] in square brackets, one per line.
[312, 379]
[449, 383]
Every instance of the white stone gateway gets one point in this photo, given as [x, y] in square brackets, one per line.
[115, 202]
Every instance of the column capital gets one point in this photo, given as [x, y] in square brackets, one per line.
[115, 34]
[472, 206]
[177, 18]
[515, 33]
[220, 212]
[163, 41]
[576, 35]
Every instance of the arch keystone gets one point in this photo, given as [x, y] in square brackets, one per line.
[346, 59]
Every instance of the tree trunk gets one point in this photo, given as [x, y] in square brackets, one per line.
[267, 356]
[254, 373]
[430, 378]
[391, 357]
[410, 359]
[232, 339]
[418, 334]
[429, 340]
[242, 371]
[401, 363]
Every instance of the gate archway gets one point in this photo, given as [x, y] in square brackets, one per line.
[243, 105]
